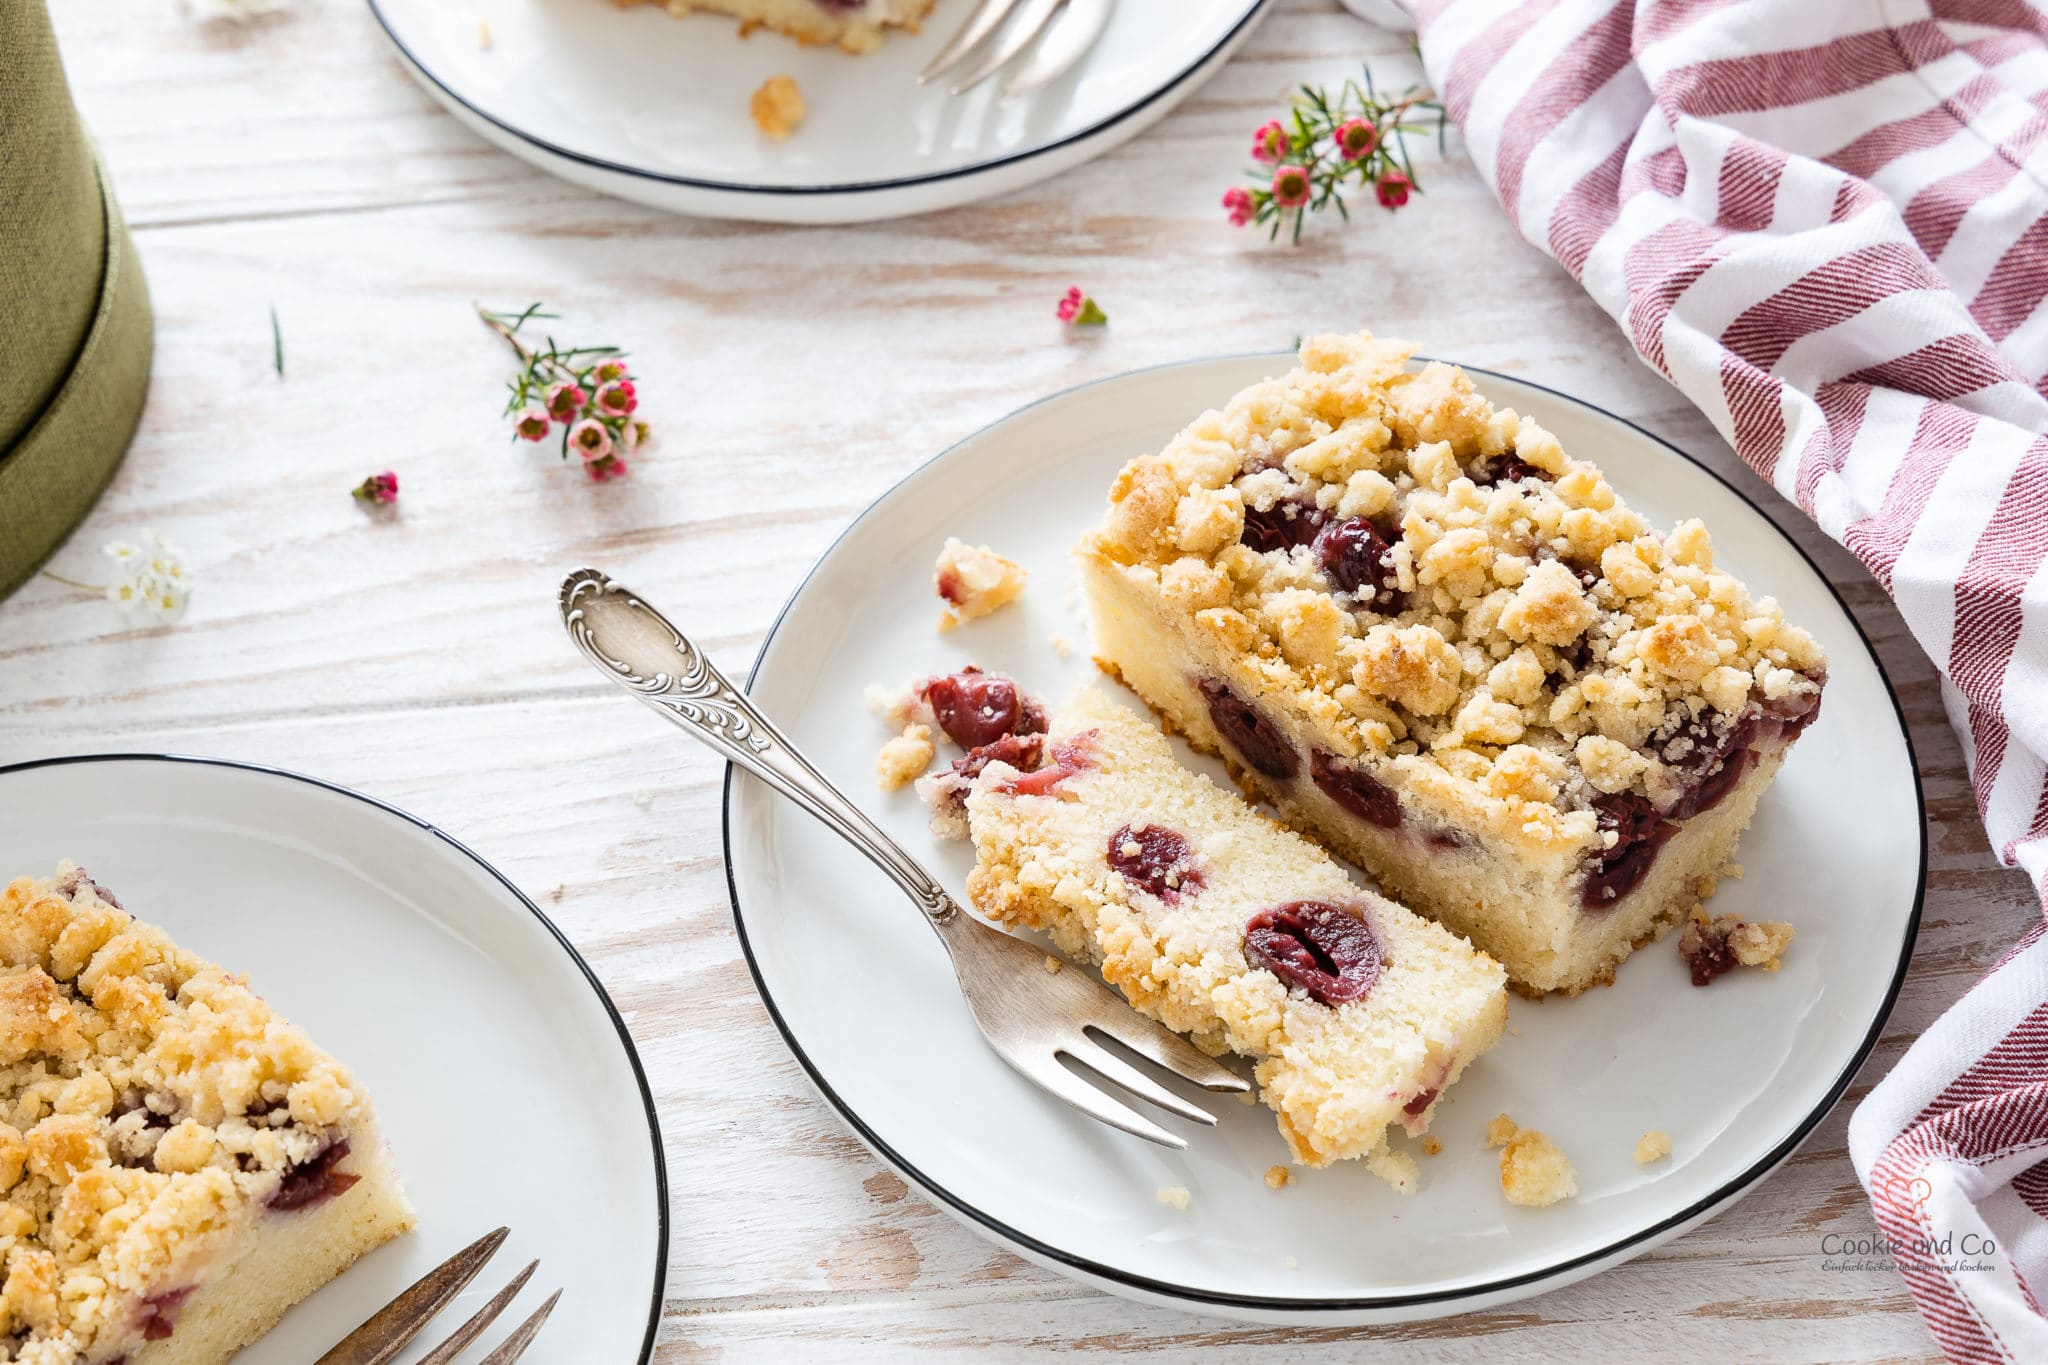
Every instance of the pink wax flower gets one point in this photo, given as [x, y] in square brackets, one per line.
[1270, 143]
[605, 469]
[610, 372]
[589, 439]
[1392, 188]
[1355, 138]
[378, 488]
[531, 425]
[1291, 186]
[1237, 202]
[1076, 309]
[564, 401]
[616, 399]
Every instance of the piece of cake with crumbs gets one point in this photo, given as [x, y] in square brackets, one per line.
[1227, 927]
[1425, 633]
[854, 25]
[179, 1165]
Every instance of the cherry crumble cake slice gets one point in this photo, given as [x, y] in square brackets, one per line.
[1227, 927]
[855, 25]
[178, 1165]
[1427, 635]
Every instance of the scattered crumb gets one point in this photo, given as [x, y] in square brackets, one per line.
[903, 759]
[1278, 1177]
[1175, 1197]
[1712, 947]
[1291, 1263]
[1053, 965]
[483, 34]
[1430, 1145]
[1062, 646]
[1513, 1031]
[974, 580]
[1654, 1145]
[1732, 871]
[1533, 1172]
[777, 107]
[644, 799]
[556, 894]
[1246, 1097]
[1396, 1168]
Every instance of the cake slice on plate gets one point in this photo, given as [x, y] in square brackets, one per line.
[1227, 927]
[855, 25]
[1425, 633]
[178, 1165]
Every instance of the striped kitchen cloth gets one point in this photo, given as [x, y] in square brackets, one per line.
[1826, 222]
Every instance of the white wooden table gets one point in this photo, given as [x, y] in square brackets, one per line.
[793, 374]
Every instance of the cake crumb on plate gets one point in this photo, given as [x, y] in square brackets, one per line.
[1534, 1173]
[1053, 965]
[1175, 1197]
[1430, 1145]
[777, 107]
[974, 580]
[903, 759]
[1654, 1145]
[1278, 1177]
[1713, 947]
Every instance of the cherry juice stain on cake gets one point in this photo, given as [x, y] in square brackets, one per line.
[1157, 859]
[1072, 756]
[1355, 789]
[1326, 949]
[1258, 741]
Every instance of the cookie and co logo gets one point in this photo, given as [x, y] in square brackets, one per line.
[1906, 1198]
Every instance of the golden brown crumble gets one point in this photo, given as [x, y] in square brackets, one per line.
[1534, 1173]
[1278, 1177]
[149, 1104]
[777, 107]
[903, 759]
[1546, 647]
[1654, 1145]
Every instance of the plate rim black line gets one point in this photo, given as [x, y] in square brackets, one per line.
[848, 187]
[1711, 1204]
[661, 1238]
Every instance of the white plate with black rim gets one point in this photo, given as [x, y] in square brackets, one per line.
[506, 1081]
[636, 103]
[1737, 1074]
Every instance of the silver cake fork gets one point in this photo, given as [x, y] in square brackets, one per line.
[1070, 28]
[1031, 1017]
[391, 1328]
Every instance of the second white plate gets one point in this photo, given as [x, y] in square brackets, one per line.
[638, 104]
[1738, 1073]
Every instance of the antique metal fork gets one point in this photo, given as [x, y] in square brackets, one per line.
[393, 1326]
[1031, 1017]
[1070, 28]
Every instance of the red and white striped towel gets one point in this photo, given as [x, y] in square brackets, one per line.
[1826, 221]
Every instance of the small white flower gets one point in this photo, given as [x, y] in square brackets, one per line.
[157, 583]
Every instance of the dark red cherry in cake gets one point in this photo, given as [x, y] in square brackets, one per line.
[1157, 859]
[1354, 555]
[314, 1181]
[1326, 949]
[1354, 788]
[1640, 834]
[975, 708]
[1282, 526]
[1258, 741]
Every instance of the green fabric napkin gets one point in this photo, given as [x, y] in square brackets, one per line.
[74, 357]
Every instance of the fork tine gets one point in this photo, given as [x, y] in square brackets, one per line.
[482, 1318]
[1158, 1044]
[1117, 1071]
[514, 1346]
[979, 25]
[1048, 1074]
[1020, 35]
[398, 1322]
[1079, 24]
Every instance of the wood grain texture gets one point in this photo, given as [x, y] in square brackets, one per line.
[794, 373]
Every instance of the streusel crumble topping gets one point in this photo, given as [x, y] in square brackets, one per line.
[1434, 579]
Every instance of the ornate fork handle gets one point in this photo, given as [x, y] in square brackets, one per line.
[642, 651]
